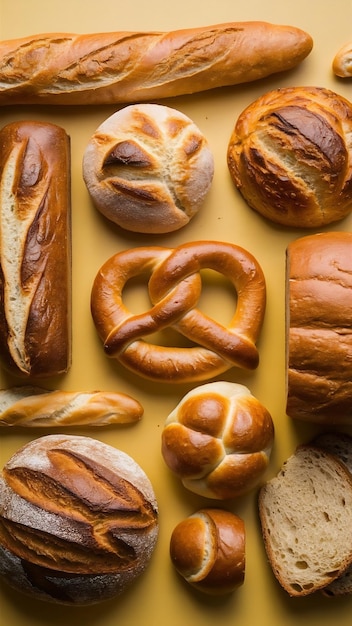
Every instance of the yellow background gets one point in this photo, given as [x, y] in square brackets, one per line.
[160, 596]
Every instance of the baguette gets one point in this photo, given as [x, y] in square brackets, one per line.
[342, 61]
[30, 406]
[127, 67]
[35, 249]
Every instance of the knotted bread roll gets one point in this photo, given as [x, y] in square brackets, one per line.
[148, 168]
[218, 440]
[78, 520]
[290, 156]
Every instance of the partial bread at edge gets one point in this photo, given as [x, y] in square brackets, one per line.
[339, 444]
[306, 518]
[319, 328]
[342, 62]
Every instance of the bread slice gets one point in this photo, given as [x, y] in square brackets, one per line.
[306, 518]
[339, 444]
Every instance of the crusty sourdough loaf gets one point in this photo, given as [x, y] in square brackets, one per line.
[319, 328]
[208, 549]
[306, 519]
[342, 61]
[148, 168]
[290, 156]
[127, 67]
[32, 407]
[35, 249]
[339, 444]
[78, 520]
[218, 440]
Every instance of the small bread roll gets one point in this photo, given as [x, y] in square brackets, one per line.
[78, 520]
[342, 61]
[148, 168]
[218, 440]
[208, 550]
[290, 156]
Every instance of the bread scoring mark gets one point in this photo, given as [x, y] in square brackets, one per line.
[26, 62]
[157, 164]
[89, 518]
[17, 219]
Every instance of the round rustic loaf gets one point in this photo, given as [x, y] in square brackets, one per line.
[218, 440]
[290, 156]
[78, 520]
[208, 550]
[148, 168]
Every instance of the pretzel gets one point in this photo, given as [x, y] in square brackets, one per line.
[175, 287]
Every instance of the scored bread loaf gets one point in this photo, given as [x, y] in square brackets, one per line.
[127, 67]
[306, 519]
[342, 61]
[290, 156]
[78, 520]
[35, 249]
[30, 406]
[339, 444]
[319, 328]
[148, 168]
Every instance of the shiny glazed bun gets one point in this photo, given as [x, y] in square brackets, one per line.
[218, 440]
[148, 168]
[78, 520]
[208, 550]
[290, 156]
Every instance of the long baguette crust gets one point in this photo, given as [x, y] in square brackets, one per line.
[30, 406]
[35, 249]
[126, 67]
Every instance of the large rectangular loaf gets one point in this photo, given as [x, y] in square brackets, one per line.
[319, 328]
[35, 249]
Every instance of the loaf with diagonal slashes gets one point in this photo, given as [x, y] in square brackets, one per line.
[78, 520]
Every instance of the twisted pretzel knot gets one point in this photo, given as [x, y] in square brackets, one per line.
[175, 286]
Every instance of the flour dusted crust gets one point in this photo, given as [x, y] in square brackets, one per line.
[79, 520]
[148, 168]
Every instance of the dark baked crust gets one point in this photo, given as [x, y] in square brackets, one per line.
[35, 254]
[290, 156]
[75, 512]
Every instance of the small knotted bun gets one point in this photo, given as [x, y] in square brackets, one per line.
[290, 156]
[218, 440]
